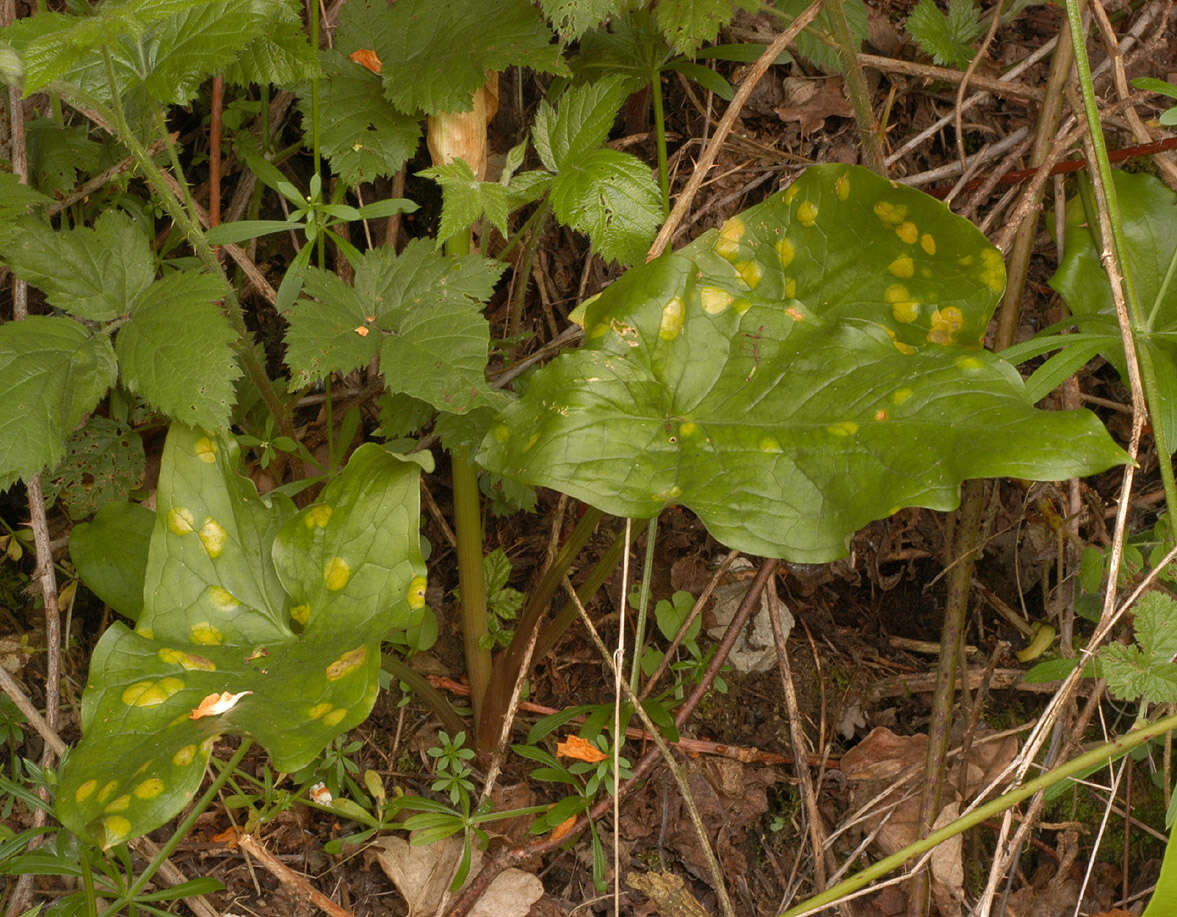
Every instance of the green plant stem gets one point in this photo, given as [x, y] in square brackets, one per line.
[424, 691]
[868, 128]
[643, 603]
[510, 661]
[519, 294]
[195, 236]
[1091, 759]
[182, 829]
[660, 136]
[1148, 374]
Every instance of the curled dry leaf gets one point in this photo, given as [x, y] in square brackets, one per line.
[216, 704]
[581, 749]
[367, 58]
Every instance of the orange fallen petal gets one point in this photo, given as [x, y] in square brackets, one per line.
[215, 704]
[227, 837]
[563, 828]
[362, 331]
[581, 749]
[366, 57]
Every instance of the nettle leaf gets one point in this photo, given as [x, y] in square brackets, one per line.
[580, 123]
[176, 350]
[281, 54]
[631, 47]
[572, 18]
[104, 461]
[421, 311]
[436, 55]
[613, 198]
[53, 372]
[1146, 669]
[810, 43]
[812, 366]
[257, 620]
[1149, 219]
[465, 199]
[948, 39]
[362, 134]
[93, 273]
[689, 23]
[15, 200]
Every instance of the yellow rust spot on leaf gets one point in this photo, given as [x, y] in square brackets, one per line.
[120, 803]
[212, 536]
[891, 214]
[741, 305]
[769, 444]
[83, 792]
[928, 243]
[906, 349]
[223, 599]
[750, 272]
[206, 634]
[992, 270]
[114, 829]
[671, 493]
[807, 213]
[905, 311]
[335, 717]
[189, 661]
[728, 244]
[842, 186]
[416, 593]
[908, 232]
[149, 788]
[336, 574]
[790, 287]
[843, 428]
[714, 300]
[206, 450]
[789, 193]
[786, 251]
[502, 433]
[902, 266]
[346, 663]
[969, 363]
[880, 414]
[301, 613]
[181, 521]
[317, 516]
[151, 693]
[688, 428]
[108, 788]
[672, 319]
[945, 324]
[184, 756]
[318, 710]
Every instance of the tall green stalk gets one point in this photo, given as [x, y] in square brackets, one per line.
[1139, 323]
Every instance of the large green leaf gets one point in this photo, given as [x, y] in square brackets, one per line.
[53, 372]
[362, 134]
[812, 366]
[1149, 220]
[93, 273]
[435, 55]
[176, 351]
[421, 311]
[283, 611]
[110, 555]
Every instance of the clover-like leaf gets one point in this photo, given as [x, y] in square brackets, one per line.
[812, 366]
[257, 620]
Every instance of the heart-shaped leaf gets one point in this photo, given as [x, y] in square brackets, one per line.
[812, 366]
[257, 620]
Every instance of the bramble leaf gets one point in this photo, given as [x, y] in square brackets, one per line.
[572, 18]
[611, 197]
[421, 311]
[282, 611]
[57, 153]
[810, 367]
[52, 372]
[176, 351]
[15, 200]
[689, 23]
[280, 54]
[947, 38]
[631, 47]
[93, 273]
